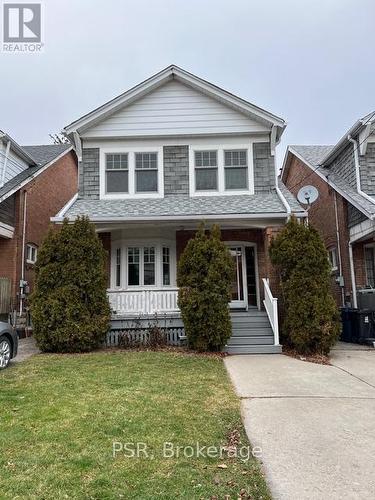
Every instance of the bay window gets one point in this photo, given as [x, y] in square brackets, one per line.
[141, 264]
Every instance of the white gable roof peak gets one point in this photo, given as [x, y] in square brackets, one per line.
[170, 73]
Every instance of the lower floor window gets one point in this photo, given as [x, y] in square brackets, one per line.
[370, 266]
[146, 265]
[31, 253]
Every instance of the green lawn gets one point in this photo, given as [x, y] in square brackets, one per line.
[60, 414]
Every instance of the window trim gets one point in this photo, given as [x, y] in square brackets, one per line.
[33, 247]
[158, 244]
[131, 151]
[221, 148]
[333, 250]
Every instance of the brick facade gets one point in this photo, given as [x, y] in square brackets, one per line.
[46, 195]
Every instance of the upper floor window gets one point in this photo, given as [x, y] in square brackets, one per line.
[221, 171]
[146, 172]
[116, 173]
[131, 172]
[206, 171]
[31, 253]
[235, 166]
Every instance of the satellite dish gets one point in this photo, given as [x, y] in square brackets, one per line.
[307, 195]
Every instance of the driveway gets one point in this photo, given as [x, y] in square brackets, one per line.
[314, 423]
[26, 348]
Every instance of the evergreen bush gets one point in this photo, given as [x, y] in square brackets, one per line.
[69, 305]
[204, 277]
[311, 322]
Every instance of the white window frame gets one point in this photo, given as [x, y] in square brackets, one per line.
[332, 251]
[31, 247]
[131, 151]
[221, 148]
[158, 244]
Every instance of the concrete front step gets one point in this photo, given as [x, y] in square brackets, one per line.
[251, 340]
[252, 330]
[253, 349]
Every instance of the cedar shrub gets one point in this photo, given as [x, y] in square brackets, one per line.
[204, 277]
[311, 322]
[69, 305]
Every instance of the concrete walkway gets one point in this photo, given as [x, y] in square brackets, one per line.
[314, 423]
[26, 348]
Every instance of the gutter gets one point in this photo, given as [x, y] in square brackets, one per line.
[160, 218]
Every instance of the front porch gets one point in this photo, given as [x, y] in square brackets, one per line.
[143, 291]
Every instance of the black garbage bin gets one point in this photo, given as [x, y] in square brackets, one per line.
[364, 326]
[349, 324]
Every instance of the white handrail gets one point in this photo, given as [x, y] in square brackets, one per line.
[270, 304]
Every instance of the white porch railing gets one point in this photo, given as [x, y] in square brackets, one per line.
[270, 304]
[144, 301]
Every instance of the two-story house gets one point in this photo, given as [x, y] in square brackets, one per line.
[344, 213]
[158, 159]
[35, 182]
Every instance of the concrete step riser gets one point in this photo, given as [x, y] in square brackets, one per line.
[258, 349]
[246, 332]
[249, 341]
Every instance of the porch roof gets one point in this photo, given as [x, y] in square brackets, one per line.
[182, 206]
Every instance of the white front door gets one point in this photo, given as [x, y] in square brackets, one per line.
[239, 284]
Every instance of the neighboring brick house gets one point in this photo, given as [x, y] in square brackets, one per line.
[344, 212]
[157, 160]
[35, 183]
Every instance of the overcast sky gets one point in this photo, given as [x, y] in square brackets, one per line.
[310, 62]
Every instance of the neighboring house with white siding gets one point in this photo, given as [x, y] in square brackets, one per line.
[153, 163]
[344, 213]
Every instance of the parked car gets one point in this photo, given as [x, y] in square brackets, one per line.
[8, 344]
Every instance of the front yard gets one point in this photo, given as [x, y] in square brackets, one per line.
[60, 416]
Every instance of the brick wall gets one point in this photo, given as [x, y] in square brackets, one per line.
[46, 195]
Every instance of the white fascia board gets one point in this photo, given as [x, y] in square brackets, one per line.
[330, 183]
[65, 208]
[160, 218]
[169, 73]
[32, 177]
[6, 231]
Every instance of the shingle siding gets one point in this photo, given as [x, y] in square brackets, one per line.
[176, 170]
[88, 174]
[367, 169]
[264, 167]
[354, 216]
[344, 166]
[7, 211]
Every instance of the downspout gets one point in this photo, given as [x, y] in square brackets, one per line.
[352, 275]
[357, 170]
[279, 193]
[23, 247]
[2, 181]
[338, 246]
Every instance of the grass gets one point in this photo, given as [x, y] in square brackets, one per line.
[60, 414]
